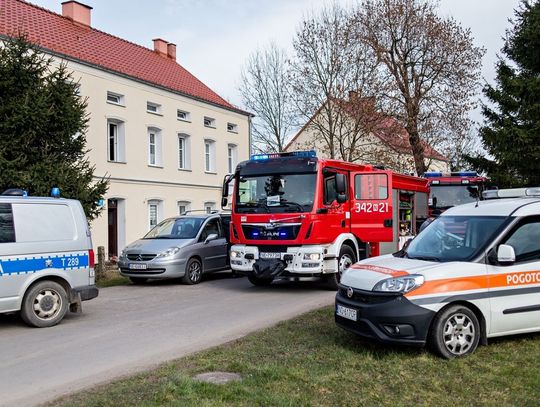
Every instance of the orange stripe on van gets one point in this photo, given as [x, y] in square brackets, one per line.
[379, 269]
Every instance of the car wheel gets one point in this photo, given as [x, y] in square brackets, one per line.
[346, 259]
[194, 271]
[138, 280]
[260, 282]
[44, 304]
[455, 332]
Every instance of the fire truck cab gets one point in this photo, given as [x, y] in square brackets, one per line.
[297, 216]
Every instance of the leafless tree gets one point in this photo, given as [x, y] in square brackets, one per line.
[264, 90]
[429, 66]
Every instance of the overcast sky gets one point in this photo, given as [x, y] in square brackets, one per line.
[214, 37]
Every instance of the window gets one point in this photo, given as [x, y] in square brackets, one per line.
[371, 186]
[209, 122]
[184, 156]
[115, 98]
[526, 240]
[153, 108]
[232, 128]
[211, 227]
[209, 207]
[154, 147]
[154, 212]
[330, 192]
[209, 156]
[183, 207]
[231, 158]
[183, 115]
[115, 141]
[7, 229]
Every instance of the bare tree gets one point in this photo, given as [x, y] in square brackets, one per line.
[429, 66]
[264, 90]
[333, 77]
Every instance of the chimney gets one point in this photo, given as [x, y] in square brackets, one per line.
[171, 50]
[77, 12]
[160, 46]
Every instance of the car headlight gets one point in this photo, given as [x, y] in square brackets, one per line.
[169, 252]
[312, 256]
[402, 284]
[123, 254]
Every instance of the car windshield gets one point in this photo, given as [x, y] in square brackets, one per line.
[275, 193]
[176, 228]
[455, 238]
[445, 196]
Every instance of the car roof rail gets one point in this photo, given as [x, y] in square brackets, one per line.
[213, 211]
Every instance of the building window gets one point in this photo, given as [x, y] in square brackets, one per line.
[115, 141]
[209, 122]
[183, 115]
[153, 108]
[209, 156]
[231, 158]
[232, 128]
[154, 147]
[209, 207]
[154, 212]
[184, 156]
[115, 98]
[183, 207]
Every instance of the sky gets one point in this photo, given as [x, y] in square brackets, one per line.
[215, 37]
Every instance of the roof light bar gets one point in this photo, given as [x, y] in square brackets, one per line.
[464, 174]
[511, 193]
[262, 157]
[432, 174]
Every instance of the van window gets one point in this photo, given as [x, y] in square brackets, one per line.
[7, 230]
[44, 222]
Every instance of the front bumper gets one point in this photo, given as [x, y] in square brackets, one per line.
[388, 318]
[156, 268]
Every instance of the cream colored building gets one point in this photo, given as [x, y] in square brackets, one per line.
[164, 142]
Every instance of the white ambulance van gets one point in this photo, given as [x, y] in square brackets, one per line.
[46, 258]
[472, 274]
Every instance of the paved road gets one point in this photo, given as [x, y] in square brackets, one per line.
[131, 328]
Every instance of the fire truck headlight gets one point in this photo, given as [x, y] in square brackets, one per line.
[312, 256]
[235, 254]
[402, 284]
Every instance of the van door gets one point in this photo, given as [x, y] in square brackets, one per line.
[372, 209]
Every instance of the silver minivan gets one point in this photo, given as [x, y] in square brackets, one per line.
[184, 246]
[46, 258]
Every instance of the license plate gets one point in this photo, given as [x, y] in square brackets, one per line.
[345, 312]
[137, 266]
[270, 255]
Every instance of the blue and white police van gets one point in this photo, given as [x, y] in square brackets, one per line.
[46, 258]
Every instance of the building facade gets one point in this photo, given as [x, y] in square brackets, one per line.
[162, 138]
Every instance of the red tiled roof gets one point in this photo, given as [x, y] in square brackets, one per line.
[61, 36]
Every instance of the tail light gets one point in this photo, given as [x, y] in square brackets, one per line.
[91, 259]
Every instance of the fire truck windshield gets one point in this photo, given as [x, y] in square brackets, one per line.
[446, 196]
[275, 193]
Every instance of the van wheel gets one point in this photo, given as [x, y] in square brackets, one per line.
[138, 280]
[346, 259]
[455, 332]
[44, 304]
[260, 282]
[194, 272]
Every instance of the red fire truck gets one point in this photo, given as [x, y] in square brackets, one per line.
[451, 189]
[296, 216]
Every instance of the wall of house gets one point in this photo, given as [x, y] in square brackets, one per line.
[134, 182]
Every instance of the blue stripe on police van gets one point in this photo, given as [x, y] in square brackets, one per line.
[33, 264]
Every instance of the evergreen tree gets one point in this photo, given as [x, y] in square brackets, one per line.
[42, 128]
[511, 132]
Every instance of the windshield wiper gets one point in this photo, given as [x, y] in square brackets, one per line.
[426, 258]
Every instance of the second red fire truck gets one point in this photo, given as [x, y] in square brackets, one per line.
[297, 216]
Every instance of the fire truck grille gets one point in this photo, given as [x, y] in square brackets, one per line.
[256, 232]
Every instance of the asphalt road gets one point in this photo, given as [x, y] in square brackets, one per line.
[132, 328]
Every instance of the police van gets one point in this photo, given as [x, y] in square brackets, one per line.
[46, 258]
[472, 274]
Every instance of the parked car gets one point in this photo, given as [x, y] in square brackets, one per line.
[472, 274]
[186, 246]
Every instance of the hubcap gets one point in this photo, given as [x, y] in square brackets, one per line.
[459, 334]
[47, 304]
[195, 272]
[345, 262]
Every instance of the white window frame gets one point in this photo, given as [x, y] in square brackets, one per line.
[209, 206]
[186, 114]
[158, 205]
[209, 156]
[153, 108]
[209, 122]
[185, 204]
[231, 157]
[118, 96]
[186, 151]
[154, 159]
[232, 128]
[118, 154]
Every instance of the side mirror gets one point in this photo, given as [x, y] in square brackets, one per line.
[226, 181]
[341, 184]
[506, 255]
[341, 198]
[224, 202]
[210, 237]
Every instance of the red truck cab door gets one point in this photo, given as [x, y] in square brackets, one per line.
[371, 206]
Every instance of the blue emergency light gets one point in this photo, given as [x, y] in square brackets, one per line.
[262, 157]
[432, 174]
[55, 192]
[464, 174]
